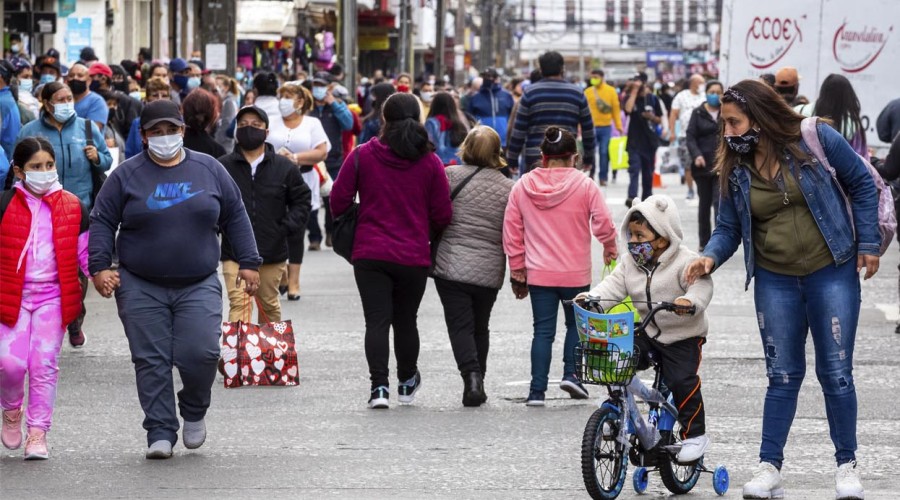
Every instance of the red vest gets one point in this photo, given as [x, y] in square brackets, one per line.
[66, 213]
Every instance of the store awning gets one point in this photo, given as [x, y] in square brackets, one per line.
[265, 20]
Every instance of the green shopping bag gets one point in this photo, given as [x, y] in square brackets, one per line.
[618, 156]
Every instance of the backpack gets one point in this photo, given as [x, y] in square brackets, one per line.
[887, 219]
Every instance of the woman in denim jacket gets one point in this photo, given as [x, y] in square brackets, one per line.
[805, 251]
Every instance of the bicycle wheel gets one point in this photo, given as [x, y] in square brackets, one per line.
[603, 459]
[678, 478]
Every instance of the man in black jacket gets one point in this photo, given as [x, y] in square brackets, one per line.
[278, 203]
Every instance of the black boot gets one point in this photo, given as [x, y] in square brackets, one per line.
[473, 392]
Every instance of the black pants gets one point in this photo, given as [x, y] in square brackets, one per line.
[708, 193]
[679, 363]
[75, 325]
[391, 294]
[326, 201]
[467, 311]
[315, 232]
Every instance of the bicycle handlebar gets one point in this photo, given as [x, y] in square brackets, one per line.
[655, 307]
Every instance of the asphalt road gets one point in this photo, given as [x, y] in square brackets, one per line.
[319, 440]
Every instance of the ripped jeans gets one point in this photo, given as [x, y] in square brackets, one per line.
[826, 303]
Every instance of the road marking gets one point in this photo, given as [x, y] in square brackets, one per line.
[891, 312]
[519, 382]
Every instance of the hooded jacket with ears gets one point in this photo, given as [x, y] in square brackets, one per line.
[664, 281]
[550, 218]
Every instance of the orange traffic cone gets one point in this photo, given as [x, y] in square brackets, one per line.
[657, 180]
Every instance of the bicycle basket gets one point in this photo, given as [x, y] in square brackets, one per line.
[605, 328]
[605, 365]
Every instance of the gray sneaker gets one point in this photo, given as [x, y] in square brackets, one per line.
[193, 434]
[161, 449]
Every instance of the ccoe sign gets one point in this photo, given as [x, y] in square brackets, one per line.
[818, 37]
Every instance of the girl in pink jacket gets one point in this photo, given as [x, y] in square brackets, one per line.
[552, 213]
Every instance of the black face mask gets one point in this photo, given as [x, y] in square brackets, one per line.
[78, 87]
[250, 138]
[121, 87]
[788, 93]
[95, 86]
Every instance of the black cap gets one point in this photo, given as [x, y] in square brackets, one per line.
[52, 63]
[253, 109]
[160, 111]
[641, 76]
[53, 53]
[322, 77]
[88, 54]
[490, 73]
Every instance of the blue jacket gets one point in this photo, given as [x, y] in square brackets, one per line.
[370, 130]
[733, 225]
[134, 145]
[68, 144]
[492, 106]
[441, 140]
[10, 121]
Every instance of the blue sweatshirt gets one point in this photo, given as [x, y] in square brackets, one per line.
[169, 220]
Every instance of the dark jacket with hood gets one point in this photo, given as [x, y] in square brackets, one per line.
[492, 106]
[277, 201]
[400, 201]
[703, 140]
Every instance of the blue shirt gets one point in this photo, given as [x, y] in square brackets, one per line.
[10, 121]
[92, 107]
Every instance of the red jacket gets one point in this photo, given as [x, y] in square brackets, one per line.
[69, 220]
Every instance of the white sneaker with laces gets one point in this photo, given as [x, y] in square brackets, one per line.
[766, 483]
[692, 449]
[846, 483]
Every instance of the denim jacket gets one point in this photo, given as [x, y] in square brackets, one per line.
[825, 201]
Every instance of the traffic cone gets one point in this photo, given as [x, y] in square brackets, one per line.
[657, 180]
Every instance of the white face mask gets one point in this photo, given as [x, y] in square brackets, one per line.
[286, 107]
[41, 182]
[165, 147]
[427, 97]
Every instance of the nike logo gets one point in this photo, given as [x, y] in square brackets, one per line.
[170, 194]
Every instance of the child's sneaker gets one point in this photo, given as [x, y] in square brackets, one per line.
[36, 445]
[406, 393]
[378, 400]
[535, 398]
[846, 483]
[11, 434]
[766, 483]
[692, 449]
[573, 386]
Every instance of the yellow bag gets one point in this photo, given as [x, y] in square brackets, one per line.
[626, 305]
[618, 156]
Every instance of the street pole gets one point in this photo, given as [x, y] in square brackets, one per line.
[440, 42]
[349, 25]
[459, 38]
[581, 40]
[404, 37]
[487, 35]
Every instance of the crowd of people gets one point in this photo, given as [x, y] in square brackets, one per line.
[113, 167]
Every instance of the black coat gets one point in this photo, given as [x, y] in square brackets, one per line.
[201, 142]
[703, 138]
[277, 201]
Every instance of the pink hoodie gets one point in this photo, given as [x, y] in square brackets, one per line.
[551, 215]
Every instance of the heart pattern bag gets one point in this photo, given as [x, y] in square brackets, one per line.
[259, 354]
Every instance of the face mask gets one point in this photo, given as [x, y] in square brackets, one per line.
[14, 48]
[427, 97]
[250, 138]
[181, 81]
[121, 87]
[744, 143]
[403, 88]
[95, 86]
[642, 253]
[596, 81]
[657, 86]
[26, 85]
[41, 182]
[78, 87]
[63, 111]
[193, 82]
[319, 93]
[48, 78]
[713, 100]
[286, 107]
[165, 147]
[239, 76]
[136, 95]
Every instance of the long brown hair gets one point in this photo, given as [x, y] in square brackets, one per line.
[778, 124]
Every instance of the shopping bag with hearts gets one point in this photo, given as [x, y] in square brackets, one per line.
[258, 354]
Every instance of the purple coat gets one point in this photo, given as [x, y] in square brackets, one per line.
[400, 200]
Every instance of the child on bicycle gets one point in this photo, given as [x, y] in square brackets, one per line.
[652, 229]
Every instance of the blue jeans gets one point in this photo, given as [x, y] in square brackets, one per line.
[825, 302]
[545, 301]
[640, 165]
[602, 136]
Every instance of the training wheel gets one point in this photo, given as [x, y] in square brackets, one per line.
[640, 478]
[720, 480]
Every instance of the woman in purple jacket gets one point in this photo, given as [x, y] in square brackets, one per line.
[403, 194]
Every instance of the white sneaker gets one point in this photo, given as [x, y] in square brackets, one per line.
[692, 449]
[846, 483]
[193, 434]
[766, 483]
[159, 450]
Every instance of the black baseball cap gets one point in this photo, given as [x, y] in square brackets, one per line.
[253, 109]
[163, 110]
[322, 78]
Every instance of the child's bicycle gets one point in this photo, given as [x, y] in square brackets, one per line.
[617, 433]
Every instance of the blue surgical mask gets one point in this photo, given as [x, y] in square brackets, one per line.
[239, 76]
[193, 82]
[136, 95]
[713, 100]
[26, 85]
[48, 78]
[319, 93]
[63, 111]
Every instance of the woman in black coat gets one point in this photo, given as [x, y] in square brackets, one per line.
[703, 138]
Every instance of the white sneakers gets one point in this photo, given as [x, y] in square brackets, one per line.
[766, 483]
[193, 434]
[692, 449]
[159, 450]
[846, 483]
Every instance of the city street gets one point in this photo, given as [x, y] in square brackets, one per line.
[319, 440]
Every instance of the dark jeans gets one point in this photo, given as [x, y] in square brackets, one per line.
[467, 311]
[825, 303]
[679, 363]
[545, 302]
[708, 194]
[640, 165]
[602, 135]
[75, 326]
[391, 294]
[169, 327]
[315, 231]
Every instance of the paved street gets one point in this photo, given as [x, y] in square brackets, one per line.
[319, 440]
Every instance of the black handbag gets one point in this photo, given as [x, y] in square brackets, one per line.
[344, 229]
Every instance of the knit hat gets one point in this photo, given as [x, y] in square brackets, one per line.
[661, 214]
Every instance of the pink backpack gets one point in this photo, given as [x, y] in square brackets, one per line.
[887, 220]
